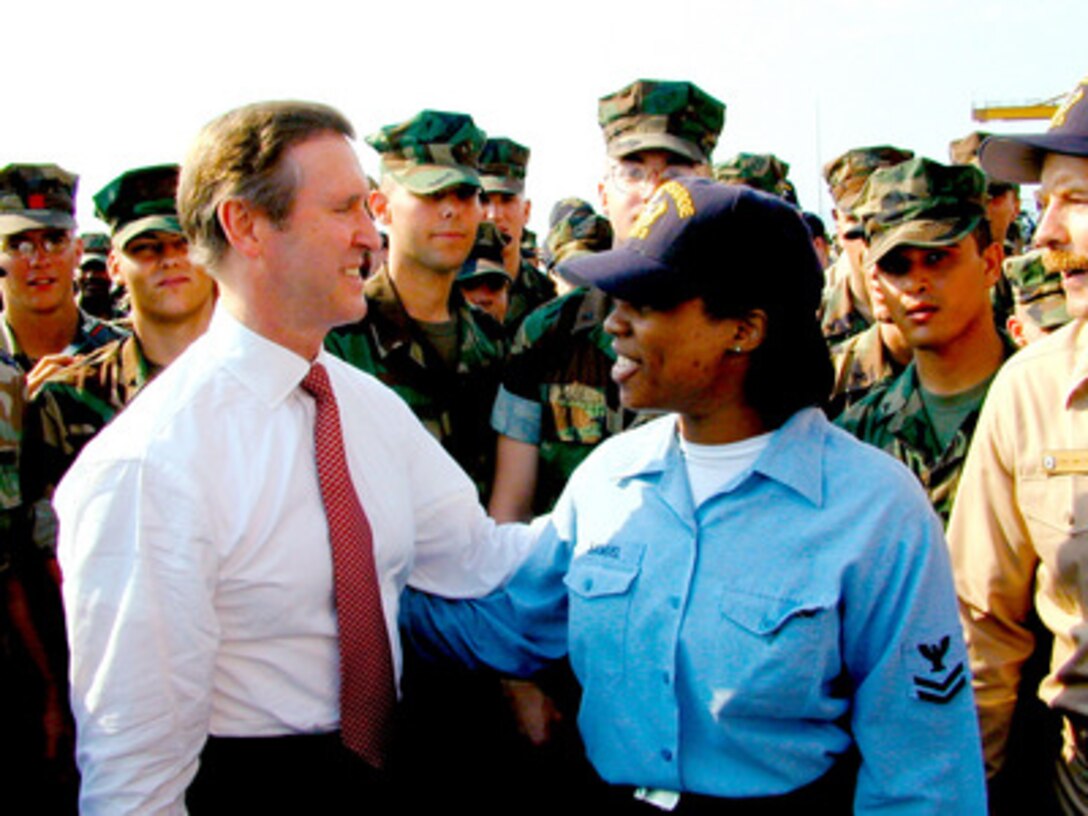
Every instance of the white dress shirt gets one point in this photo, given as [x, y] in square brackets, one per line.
[197, 572]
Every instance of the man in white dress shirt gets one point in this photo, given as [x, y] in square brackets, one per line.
[194, 542]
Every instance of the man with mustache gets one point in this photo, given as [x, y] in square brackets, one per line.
[1019, 532]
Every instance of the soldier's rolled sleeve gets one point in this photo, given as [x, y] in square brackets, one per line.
[517, 417]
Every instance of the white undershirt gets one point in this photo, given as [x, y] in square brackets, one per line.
[716, 468]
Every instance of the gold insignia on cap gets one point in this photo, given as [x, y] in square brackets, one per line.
[659, 205]
[1062, 112]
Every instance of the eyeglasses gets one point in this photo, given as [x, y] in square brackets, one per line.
[26, 246]
[629, 176]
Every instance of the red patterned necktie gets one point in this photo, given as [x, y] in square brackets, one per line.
[367, 691]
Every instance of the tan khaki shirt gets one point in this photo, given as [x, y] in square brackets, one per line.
[1019, 531]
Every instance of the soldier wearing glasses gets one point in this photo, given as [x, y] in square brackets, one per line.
[172, 302]
[39, 251]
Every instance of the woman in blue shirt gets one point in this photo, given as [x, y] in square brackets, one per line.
[758, 607]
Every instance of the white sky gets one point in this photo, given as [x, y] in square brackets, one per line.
[103, 87]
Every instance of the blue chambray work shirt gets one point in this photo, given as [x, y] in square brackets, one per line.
[739, 648]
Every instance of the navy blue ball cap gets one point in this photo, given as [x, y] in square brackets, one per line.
[1019, 159]
[697, 237]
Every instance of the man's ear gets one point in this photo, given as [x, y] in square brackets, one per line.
[379, 207]
[113, 266]
[241, 225]
[993, 256]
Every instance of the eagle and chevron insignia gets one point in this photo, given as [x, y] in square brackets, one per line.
[942, 683]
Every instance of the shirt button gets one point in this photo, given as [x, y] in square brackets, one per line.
[666, 677]
[666, 755]
[674, 602]
[587, 585]
[1048, 462]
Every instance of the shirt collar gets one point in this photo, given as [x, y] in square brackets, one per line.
[793, 457]
[266, 368]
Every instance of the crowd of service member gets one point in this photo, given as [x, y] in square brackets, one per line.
[905, 326]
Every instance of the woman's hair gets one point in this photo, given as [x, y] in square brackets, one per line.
[777, 272]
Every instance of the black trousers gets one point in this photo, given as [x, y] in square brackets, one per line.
[830, 795]
[290, 774]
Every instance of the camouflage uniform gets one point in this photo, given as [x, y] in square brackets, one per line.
[844, 313]
[428, 154]
[11, 421]
[892, 417]
[42, 196]
[75, 403]
[558, 391]
[503, 164]
[91, 334]
[452, 403]
[917, 203]
[846, 310]
[530, 289]
[862, 362]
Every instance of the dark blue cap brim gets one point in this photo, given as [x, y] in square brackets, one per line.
[627, 275]
[1019, 159]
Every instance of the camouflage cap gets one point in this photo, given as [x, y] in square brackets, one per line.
[846, 175]
[502, 165]
[1020, 158]
[653, 114]
[139, 201]
[37, 196]
[96, 246]
[576, 229]
[431, 152]
[485, 259]
[965, 151]
[1036, 289]
[761, 171]
[920, 202]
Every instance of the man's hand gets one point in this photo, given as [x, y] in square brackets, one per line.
[47, 365]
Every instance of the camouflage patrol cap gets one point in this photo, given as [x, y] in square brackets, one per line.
[761, 171]
[431, 152]
[37, 196]
[653, 114]
[920, 202]
[502, 166]
[1037, 290]
[485, 259]
[846, 175]
[1020, 158]
[965, 151]
[576, 229]
[139, 201]
[96, 246]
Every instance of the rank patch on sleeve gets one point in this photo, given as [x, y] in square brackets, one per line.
[936, 678]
